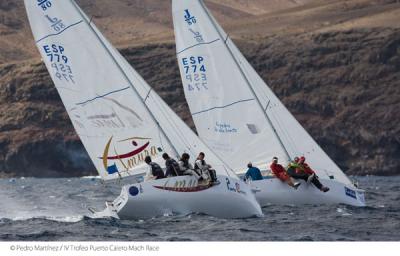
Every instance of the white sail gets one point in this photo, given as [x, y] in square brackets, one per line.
[185, 140]
[110, 110]
[226, 113]
[235, 112]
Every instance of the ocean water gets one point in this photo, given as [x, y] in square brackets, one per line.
[56, 210]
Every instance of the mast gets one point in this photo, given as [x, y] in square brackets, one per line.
[126, 77]
[246, 79]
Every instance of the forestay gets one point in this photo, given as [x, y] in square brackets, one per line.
[235, 112]
[117, 116]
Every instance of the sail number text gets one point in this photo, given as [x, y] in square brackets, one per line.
[194, 68]
[59, 62]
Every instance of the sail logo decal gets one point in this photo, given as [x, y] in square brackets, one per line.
[56, 24]
[236, 188]
[44, 4]
[113, 162]
[197, 36]
[350, 192]
[114, 115]
[180, 186]
[222, 127]
[189, 18]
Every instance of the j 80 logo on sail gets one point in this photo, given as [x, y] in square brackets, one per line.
[45, 4]
[189, 18]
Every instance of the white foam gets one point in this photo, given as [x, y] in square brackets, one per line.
[343, 212]
[91, 177]
[69, 219]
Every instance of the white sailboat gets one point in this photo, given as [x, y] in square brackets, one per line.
[120, 120]
[238, 116]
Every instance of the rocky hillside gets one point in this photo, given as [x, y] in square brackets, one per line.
[339, 77]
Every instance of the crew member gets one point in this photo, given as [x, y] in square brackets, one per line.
[155, 170]
[206, 171]
[253, 173]
[186, 167]
[171, 166]
[300, 170]
[281, 174]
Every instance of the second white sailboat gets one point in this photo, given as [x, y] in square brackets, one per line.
[240, 118]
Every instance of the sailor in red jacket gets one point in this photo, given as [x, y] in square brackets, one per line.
[281, 174]
[301, 170]
[306, 168]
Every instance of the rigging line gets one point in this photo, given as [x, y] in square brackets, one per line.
[224, 164]
[292, 143]
[284, 133]
[246, 79]
[161, 141]
[147, 96]
[180, 134]
[165, 116]
[266, 107]
[226, 39]
[277, 121]
[122, 71]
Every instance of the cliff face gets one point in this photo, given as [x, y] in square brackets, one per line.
[335, 64]
[36, 136]
[342, 86]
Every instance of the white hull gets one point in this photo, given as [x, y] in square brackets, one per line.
[232, 198]
[274, 191]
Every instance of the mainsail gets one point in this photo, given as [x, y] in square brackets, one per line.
[117, 116]
[234, 111]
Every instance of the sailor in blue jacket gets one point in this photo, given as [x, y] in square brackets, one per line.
[253, 172]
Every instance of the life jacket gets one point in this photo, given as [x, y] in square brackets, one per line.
[277, 169]
[174, 166]
[197, 168]
[156, 171]
[298, 168]
[184, 166]
[307, 169]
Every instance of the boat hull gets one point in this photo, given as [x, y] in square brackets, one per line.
[273, 191]
[232, 198]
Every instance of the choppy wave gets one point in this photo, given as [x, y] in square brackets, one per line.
[56, 209]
